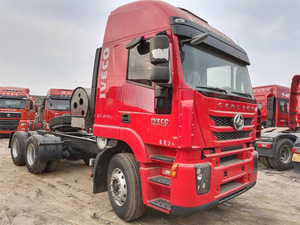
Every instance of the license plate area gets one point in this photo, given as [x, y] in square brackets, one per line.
[296, 157]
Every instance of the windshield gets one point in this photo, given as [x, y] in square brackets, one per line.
[13, 103]
[207, 70]
[59, 104]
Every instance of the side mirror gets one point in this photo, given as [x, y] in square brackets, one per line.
[31, 105]
[159, 74]
[159, 49]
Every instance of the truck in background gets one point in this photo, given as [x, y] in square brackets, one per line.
[169, 132]
[276, 143]
[56, 103]
[14, 108]
[273, 102]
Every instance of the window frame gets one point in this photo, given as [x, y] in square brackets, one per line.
[127, 70]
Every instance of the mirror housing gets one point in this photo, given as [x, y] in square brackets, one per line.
[159, 49]
[160, 74]
[199, 38]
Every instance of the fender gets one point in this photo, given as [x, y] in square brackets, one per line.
[101, 164]
[129, 141]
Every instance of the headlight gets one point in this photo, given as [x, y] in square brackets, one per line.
[202, 172]
[23, 124]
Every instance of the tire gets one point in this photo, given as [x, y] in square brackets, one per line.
[51, 166]
[123, 171]
[283, 155]
[34, 165]
[17, 150]
[265, 161]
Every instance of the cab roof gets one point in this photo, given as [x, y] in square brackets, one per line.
[139, 17]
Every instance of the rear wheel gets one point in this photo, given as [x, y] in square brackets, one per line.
[265, 161]
[51, 166]
[17, 150]
[124, 187]
[33, 163]
[283, 155]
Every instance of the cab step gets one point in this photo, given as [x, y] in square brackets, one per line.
[163, 158]
[161, 180]
[161, 203]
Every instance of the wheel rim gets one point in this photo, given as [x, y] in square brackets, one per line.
[286, 154]
[118, 187]
[15, 148]
[30, 154]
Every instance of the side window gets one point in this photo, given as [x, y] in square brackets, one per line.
[283, 105]
[139, 65]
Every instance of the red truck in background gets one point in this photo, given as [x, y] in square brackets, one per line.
[276, 143]
[14, 108]
[172, 112]
[56, 103]
[273, 102]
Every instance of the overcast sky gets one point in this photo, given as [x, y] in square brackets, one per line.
[51, 43]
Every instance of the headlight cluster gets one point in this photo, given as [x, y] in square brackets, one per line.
[202, 172]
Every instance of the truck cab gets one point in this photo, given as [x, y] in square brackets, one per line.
[56, 103]
[273, 101]
[14, 109]
[177, 94]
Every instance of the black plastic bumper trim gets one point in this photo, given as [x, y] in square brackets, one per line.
[186, 211]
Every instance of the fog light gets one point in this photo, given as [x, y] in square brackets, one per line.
[202, 172]
[199, 174]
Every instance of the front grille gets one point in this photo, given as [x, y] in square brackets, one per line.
[226, 121]
[221, 136]
[10, 115]
[227, 158]
[231, 148]
[9, 125]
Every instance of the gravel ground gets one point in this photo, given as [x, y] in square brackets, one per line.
[65, 197]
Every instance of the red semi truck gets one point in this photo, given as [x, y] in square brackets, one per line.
[56, 103]
[14, 109]
[172, 112]
[276, 143]
[273, 101]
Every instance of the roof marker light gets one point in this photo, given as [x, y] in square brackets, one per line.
[179, 20]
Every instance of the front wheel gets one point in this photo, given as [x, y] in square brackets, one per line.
[124, 187]
[283, 155]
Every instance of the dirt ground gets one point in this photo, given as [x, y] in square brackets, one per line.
[65, 197]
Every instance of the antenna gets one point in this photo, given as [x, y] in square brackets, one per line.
[237, 41]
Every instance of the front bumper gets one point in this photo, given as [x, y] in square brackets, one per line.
[186, 211]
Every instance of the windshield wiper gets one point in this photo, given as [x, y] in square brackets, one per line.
[243, 94]
[212, 88]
